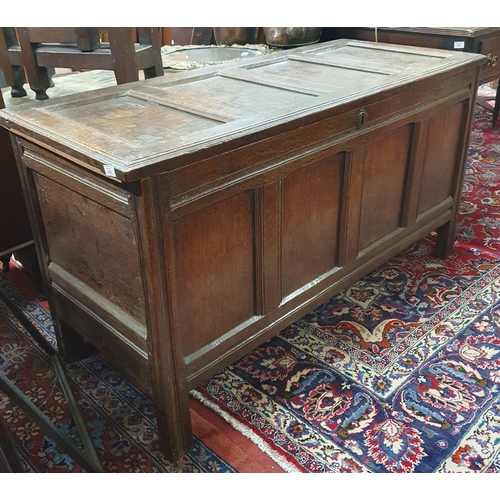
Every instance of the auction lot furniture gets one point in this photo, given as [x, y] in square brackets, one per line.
[184, 220]
[478, 40]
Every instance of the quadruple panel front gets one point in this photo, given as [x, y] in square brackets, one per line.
[247, 255]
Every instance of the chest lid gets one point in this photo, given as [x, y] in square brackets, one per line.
[138, 129]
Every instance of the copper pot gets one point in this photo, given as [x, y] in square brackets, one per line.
[292, 37]
[240, 36]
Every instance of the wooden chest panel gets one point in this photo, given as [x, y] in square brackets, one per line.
[214, 252]
[386, 165]
[315, 77]
[93, 259]
[440, 164]
[92, 255]
[228, 97]
[377, 61]
[481, 40]
[122, 117]
[311, 199]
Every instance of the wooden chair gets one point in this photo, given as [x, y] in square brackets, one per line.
[128, 51]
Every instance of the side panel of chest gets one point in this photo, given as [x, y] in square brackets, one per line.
[91, 252]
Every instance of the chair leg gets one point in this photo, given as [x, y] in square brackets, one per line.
[19, 80]
[13, 75]
[38, 76]
[151, 36]
[121, 43]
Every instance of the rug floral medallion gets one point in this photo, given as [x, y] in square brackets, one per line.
[401, 371]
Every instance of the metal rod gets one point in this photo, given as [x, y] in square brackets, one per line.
[44, 423]
[88, 445]
[91, 460]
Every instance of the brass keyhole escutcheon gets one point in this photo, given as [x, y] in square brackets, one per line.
[492, 60]
[361, 117]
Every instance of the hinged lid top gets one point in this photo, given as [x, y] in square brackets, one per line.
[144, 127]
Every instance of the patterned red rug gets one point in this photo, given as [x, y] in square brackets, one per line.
[398, 373]
[119, 417]
[401, 371]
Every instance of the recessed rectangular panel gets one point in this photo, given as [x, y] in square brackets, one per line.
[135, 121]
[386, 164]
[311, 200]
[381, 59]
[214, 265]
[440, 162]
[238, 95]
[96, 245]
[313, 76]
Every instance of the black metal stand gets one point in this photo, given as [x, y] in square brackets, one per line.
[87, 457]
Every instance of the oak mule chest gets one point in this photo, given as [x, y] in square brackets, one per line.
[183, 220]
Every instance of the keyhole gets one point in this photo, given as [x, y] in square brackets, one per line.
[360, 118]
